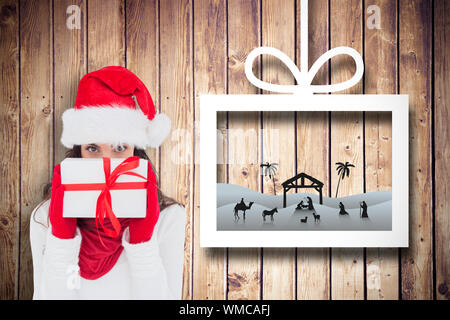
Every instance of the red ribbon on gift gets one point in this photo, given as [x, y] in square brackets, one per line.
[103, 208]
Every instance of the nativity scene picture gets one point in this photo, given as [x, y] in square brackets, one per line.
[300, 202]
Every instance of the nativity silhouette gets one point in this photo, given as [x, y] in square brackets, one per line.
[306, 204]
[292, 183]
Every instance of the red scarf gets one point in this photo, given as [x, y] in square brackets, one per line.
[97, 259]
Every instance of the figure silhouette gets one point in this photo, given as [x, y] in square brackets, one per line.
[342, 211]
[364, 210]
[310, 204]
[301, 206]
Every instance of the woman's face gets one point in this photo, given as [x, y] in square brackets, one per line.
[95, 150]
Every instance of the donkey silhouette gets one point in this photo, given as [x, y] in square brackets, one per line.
[269, 213]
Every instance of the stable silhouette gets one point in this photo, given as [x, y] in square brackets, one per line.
[306, 181]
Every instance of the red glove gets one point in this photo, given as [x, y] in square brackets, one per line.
[63, 228]
[141, 229]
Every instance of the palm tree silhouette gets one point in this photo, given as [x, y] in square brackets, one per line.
[343, 170]
[270, 170]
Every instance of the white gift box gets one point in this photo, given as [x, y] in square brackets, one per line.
[125, 203]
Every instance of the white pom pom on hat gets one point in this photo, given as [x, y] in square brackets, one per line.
[158, 129]
[105, 111]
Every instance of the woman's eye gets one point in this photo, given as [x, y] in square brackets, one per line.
[120, 149]
[91, 149]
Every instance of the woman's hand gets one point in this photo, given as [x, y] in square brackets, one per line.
[141, 229]
[63, 228]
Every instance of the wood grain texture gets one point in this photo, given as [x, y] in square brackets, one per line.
[244, 265]
[442, 147]
[278, 144]
[184, 48]
[380, 78]
[210, 77]
[347, 270]
[142, 53]
[313, 264]
[106, 37]
[36, 125]
[415, 80]
[70, 63]
[176, 74]
[347, 276]
[9, 153]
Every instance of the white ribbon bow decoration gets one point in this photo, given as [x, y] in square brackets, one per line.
[304, 77]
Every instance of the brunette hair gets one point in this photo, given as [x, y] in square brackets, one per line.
[163, 200]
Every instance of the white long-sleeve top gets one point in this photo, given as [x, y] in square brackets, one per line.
[148, 270]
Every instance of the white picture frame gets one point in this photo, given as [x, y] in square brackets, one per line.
[211, 104]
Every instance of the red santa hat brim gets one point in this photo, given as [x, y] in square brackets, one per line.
[113, 124]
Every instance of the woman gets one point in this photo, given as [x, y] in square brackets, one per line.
[75, 259]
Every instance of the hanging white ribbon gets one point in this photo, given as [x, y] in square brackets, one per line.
[304, 77]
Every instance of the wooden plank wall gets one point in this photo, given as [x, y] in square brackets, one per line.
[182, 49]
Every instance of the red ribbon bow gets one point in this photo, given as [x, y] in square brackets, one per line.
[103, 208]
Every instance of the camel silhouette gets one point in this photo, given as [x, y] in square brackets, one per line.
[269, 213]
[241, 206]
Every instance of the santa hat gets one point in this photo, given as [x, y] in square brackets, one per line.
[105, 112]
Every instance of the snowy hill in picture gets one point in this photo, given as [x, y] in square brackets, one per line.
[379, 210]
